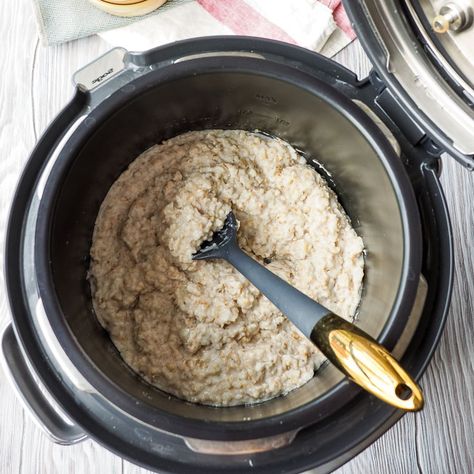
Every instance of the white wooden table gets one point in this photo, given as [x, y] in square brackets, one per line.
[34, 84]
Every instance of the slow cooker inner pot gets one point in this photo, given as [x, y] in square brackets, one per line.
[236, 100]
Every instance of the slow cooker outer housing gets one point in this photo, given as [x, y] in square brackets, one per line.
[364, 421]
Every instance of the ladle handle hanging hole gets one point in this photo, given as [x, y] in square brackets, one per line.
[366, 363]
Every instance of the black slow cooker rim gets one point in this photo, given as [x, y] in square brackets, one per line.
[298, 417]
[186, 426]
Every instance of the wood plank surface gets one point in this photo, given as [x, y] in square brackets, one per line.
[34, 85]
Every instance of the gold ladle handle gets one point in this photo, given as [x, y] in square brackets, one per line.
[366, 362]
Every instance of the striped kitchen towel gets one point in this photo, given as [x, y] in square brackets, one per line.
[321, 26]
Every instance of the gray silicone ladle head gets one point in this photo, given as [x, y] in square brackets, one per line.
[218, 245]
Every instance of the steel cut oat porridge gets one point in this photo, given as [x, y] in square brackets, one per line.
[200, 330]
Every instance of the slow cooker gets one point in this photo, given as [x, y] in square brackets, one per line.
[376, 143]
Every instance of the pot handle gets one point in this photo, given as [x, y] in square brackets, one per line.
[48, 416]
[101, 70]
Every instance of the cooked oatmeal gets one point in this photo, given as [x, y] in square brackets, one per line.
[198, 329]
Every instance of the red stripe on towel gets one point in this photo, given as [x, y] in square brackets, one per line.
[242, 19]
[332, 4]
[343, 22]
[340, 16]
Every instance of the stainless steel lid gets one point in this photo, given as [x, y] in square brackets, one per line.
[449, 28]
[430, 74]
